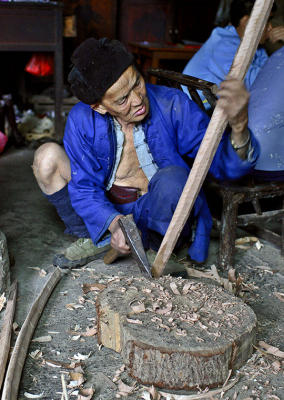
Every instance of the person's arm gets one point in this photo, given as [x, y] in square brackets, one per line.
[233, 98]
[190, 124]
[87, 185]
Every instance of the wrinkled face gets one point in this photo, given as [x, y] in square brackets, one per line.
[126, 99]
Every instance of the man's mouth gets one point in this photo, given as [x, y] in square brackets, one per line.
[141, 111]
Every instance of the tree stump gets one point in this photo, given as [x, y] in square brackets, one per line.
[174, 333]
[4, 264]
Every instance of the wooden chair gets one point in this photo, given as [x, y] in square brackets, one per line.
[233, 193]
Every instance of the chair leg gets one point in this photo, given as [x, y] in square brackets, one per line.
[228, 230]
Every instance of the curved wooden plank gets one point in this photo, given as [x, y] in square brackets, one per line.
[14, 372]
[5, 337]
[213, 135]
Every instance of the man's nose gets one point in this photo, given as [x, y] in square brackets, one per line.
[136, 97]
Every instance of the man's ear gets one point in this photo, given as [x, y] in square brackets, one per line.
[99, 108]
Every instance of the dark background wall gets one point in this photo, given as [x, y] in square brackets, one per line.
[169, 21]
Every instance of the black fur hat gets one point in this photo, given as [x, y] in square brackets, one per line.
[97, 65]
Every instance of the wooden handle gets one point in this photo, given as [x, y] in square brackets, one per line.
[213, 135]
[111, 256]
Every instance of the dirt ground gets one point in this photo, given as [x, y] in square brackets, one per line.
[35, 234]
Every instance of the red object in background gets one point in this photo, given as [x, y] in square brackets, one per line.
[3, 141]
[40, 64]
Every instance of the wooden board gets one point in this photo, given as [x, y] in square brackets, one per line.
[190, 333]
[14, 372]
[6, 332]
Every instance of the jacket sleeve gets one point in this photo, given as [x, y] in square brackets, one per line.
[219, 64]
[86, 188]
[190, 124]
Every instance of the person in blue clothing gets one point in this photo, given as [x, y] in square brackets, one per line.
[214, 59]
[266, 118]
[127, 149]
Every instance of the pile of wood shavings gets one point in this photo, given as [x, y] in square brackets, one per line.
[185, 308]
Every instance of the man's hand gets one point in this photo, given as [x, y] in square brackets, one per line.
[117, 237]
[276, 34]
[233, 98]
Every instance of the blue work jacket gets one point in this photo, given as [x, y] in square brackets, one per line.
[173, 130]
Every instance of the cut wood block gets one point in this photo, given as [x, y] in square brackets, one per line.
[175, 333]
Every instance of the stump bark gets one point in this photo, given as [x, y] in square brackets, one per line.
[174, 333]
[4, 264]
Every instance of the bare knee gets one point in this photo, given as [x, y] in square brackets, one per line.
[51, 167]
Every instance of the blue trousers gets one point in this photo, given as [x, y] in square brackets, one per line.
[152, 212]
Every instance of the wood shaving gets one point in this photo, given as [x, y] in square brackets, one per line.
[36, 354]
[246, 239]
[76, 379]
[134, 321]
[86, 394]
[271, 349]
[174, 288]
[279, 296]
[43, 339]
[73, 306]
[33, 396]
[125, 390]
[88, 287]
[81, 357]
[139, 308]
[2, 301]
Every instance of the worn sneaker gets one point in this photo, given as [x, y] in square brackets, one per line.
[79, 254]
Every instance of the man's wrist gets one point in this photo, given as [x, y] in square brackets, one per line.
[113, 224]
[240, 144]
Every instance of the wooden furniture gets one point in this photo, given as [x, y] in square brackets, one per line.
[149, 55]
[235, 193]
[35, 27]
[247, 191]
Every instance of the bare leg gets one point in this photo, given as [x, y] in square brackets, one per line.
[51, 168]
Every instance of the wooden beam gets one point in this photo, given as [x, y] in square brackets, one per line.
[213, 135]
[14, 372]
[5, 337]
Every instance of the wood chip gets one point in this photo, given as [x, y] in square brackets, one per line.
[139, 308]
[246, 239]
[43, 339]
[33, 396]
[279, 296]
[134, 321]
[2, 301]
[86, 394]
[271, 349]
[88, 287]
[174, 288]
[81, 357]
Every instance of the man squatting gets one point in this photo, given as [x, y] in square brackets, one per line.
[128, 147]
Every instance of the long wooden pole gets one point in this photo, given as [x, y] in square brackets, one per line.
[6, 332]
[14, 372]
[213, 135]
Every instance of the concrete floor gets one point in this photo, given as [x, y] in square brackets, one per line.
[35, 233]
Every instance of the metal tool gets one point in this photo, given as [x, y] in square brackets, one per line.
[133, 239]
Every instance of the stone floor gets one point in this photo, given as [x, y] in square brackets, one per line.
[35, 233]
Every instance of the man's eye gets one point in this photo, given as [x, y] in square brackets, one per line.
[122, 101]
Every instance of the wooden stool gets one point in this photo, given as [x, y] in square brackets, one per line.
[233, 194]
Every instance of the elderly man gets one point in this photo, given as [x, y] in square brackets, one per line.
[128, 149]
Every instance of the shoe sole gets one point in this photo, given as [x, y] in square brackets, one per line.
[62, 262]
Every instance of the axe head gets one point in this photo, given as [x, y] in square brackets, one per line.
[134, 241]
